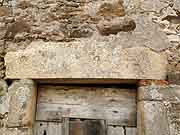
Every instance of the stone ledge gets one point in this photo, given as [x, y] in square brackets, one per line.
[84, 59]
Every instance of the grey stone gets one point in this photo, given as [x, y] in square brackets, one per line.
[4, 98]
[84, 59]
[3, 87]
[161, 93]
[115, 130]
[152, 118]
[174, 78]
[173, 116]
[22, 103]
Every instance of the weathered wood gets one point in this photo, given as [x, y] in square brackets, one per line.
[116, 105]
[65, 127]
[48, 128]
[76, 127]
[87, 127]
[115, 130]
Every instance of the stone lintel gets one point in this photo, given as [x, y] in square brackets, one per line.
[84, 60]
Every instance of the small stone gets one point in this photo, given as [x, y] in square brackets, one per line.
[4, 98]
[4, 11]
[155, 92]
[111, 9]
[116, 25]
[174, 78]
[82, 31]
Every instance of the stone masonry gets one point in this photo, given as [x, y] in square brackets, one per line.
[91, 39]
[158, 109]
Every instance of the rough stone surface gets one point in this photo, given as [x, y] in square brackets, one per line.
[15, 131]
[4, 105]
[174, 78]
[173, 115]
[152, 119]
[85, 60]
[4, 99]
[22, 103]
[22, 22]
[160, 93]
[156, 25]
[158, 110]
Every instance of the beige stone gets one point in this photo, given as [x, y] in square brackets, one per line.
[158, 110]
[115, 130]
[84, 59]
[152, 118]
[22, 103]
[4, 98]
[15, 131]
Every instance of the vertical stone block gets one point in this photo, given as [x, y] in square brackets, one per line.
[4, 100]
[158, 109]
[22, 103]
[152, 118]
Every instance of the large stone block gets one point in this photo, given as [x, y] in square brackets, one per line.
[174, 77]
[158, 108]
[84, 59]
[152, 118]
[22, 103]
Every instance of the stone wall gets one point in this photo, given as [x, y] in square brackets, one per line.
[158, 110]
[17, 107]
[153, 25]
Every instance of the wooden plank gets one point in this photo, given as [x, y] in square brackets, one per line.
[76, 127]
[48, 128]
[116, 105]
[65, 127]
[115, 130]
[87, 127]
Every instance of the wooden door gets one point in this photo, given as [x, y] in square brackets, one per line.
[74, 110]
